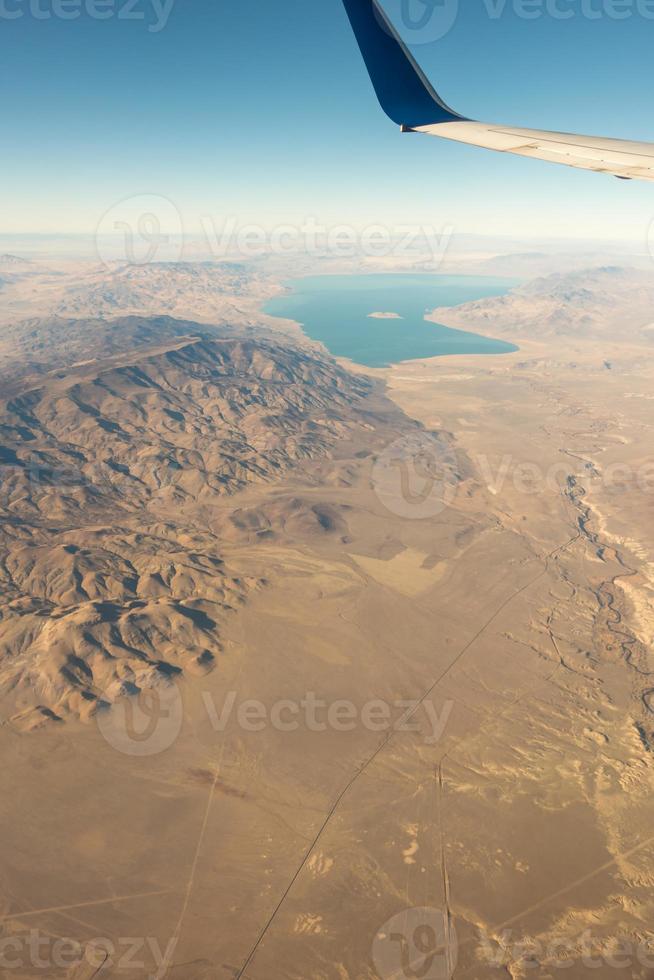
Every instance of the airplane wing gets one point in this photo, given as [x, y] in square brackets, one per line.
[409, 99]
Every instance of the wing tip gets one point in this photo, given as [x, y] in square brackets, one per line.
[404, 92]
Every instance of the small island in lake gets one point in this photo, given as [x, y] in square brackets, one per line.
[385, 316]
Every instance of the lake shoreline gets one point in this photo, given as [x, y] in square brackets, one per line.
[336, 312]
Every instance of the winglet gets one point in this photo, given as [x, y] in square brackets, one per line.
[405, 93]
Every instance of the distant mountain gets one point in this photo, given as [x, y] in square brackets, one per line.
[15, 268]
[529, 265]
[8, 261]
[590, 303]
[201, 290]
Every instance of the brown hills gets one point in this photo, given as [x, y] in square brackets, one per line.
[40, 345]
[112, 575]
[208, 501]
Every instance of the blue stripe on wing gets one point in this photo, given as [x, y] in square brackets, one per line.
[405, 93]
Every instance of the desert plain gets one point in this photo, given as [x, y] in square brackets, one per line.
[316, 672]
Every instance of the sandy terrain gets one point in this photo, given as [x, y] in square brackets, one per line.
[561, 437]
[496, 579]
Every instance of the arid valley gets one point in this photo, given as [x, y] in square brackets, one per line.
[299, 657]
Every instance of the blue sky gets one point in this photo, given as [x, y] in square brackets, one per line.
[262, 109]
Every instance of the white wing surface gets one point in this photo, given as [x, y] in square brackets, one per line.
[409, 99]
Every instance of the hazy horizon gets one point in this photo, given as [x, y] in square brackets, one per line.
[266, 112]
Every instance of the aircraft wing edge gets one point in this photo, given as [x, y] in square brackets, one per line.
[409, 99]
[619, 158]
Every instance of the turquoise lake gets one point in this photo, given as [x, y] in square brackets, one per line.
[336, 311]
